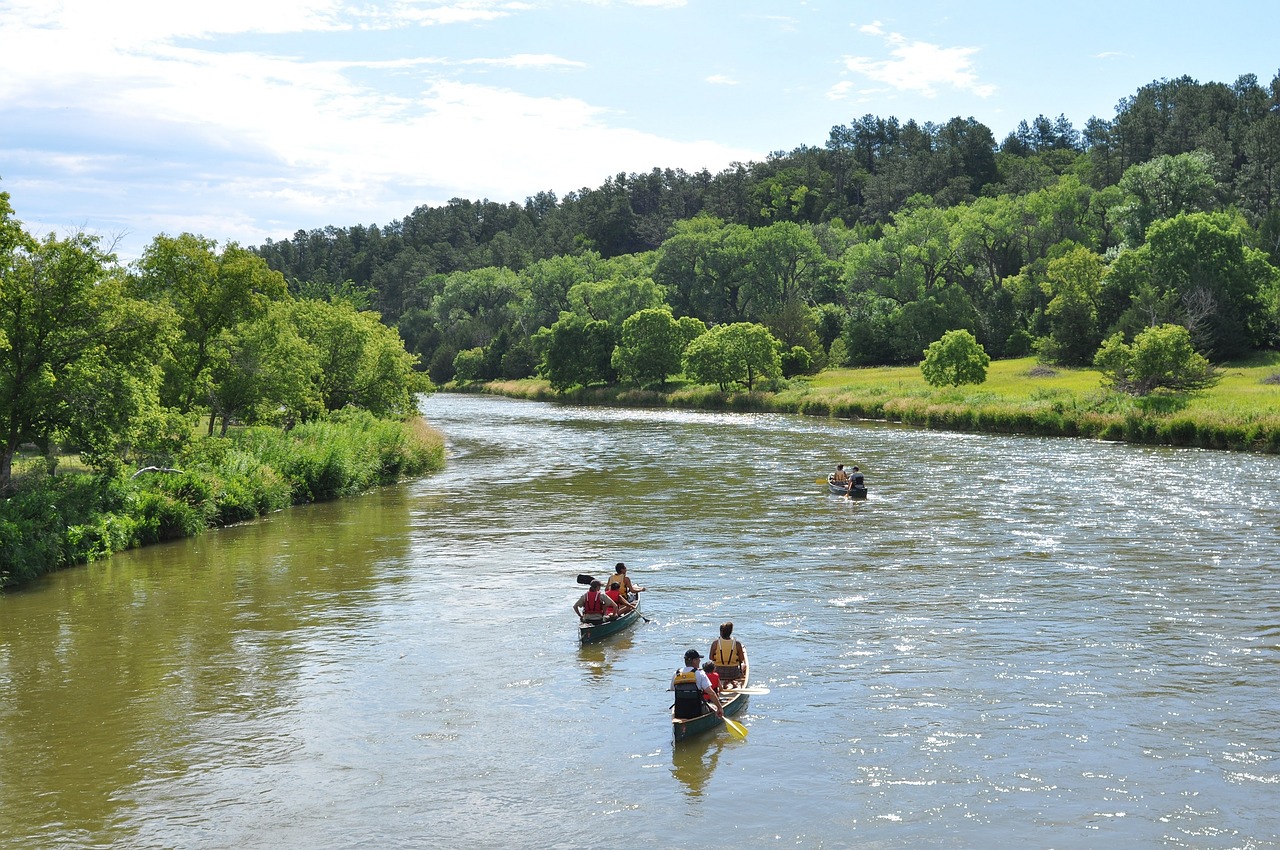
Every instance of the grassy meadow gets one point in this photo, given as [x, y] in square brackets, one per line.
[1241, 413]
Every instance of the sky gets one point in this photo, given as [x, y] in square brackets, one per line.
[246, 121]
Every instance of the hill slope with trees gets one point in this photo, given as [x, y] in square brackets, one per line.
[862, 250]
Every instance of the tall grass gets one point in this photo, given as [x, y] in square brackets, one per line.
[52, 521]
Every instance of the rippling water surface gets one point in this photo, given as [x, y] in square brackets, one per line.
[1013, 642]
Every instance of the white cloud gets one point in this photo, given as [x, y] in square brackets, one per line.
[840, 90]
[920, 67]
[527, 61]
[721, 80]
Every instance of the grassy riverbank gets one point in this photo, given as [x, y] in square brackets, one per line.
[1241, 413]
[53, 521]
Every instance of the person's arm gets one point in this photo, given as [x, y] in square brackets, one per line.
[742, 653]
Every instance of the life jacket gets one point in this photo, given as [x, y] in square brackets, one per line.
[689, 702]
[594, 604]
[614, 594]
[617, 582]
[729, 657]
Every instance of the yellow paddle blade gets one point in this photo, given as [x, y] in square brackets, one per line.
[736, 728]
[820, 481]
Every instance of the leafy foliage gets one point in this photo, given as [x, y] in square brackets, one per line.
[954, 359]
[1159, 358]
[742, 352]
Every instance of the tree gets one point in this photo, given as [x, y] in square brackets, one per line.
[363, 363]
[577, 351]
[207, 293]
[468, 364]
[1197, 270]
[955, 359]
[704, 266]
[76, 354]
[1165, 187]
[650, 347]
[614, 300]
[262, 371]
[1073, 282]
[743, 352]
[1160, 358]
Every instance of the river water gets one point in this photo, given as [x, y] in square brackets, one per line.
[1014, 642]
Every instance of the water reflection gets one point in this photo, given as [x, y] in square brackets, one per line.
[694, 760]
[598, 657]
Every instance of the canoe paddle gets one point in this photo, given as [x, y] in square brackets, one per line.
[751, 692]
[736, 728]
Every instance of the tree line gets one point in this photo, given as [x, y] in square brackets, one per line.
[117, 362]
[861, 251]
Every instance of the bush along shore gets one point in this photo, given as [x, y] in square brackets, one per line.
[1241, 413]
[53, 521]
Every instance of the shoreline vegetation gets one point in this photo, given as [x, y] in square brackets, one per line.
[1020, 396]
[52, 521]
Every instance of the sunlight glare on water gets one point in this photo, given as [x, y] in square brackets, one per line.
[1013, 641]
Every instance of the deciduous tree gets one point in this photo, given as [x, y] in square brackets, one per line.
[76, 354]
[955, 359]
[1160, 358]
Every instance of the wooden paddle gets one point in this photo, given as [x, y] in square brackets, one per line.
[751, 692]
[736, 728]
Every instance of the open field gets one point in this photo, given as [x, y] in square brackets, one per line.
[1019, 396]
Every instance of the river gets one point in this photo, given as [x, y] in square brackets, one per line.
[1014, 642]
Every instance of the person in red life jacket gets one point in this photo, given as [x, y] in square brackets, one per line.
[595, 606]
[694, 694]
[709, 667]
[729, 655]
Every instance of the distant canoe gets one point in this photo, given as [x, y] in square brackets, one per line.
[588, 632]
[730, 699]
[859, 490]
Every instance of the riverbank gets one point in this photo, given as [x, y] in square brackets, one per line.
[55, 521]
[1241, 413]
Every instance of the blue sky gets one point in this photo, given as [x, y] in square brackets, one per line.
[246, 121]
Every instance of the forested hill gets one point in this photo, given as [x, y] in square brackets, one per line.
[865, 177]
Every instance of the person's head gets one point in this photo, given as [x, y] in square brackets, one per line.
[855, 469]
[692, 658]
[595, 584]
[708, 667]
[621, 568]
[839, 466]
[726, 630]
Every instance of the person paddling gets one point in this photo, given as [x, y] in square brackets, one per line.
[694, 694]
[621, 589]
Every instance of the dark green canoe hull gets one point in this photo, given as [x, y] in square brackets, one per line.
[588, 633]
